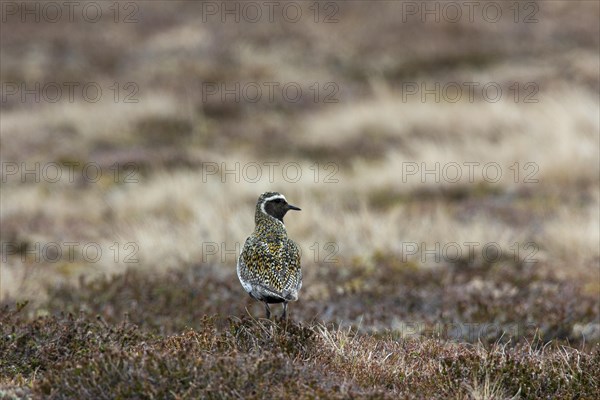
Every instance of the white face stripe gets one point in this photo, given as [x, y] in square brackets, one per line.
[276, 196]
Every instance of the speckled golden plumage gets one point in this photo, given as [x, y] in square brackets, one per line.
[269, 265]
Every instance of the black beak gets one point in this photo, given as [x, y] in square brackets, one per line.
[291, 207]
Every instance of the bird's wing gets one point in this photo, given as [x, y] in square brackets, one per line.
[263, 266]
[293, 272]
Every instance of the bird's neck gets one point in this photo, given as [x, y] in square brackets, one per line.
[268, 226]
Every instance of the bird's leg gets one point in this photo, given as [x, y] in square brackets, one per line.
[284, 314]
[268, 310]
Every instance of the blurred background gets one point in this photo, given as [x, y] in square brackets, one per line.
[445, 157]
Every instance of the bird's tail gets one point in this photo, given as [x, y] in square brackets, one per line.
[290, 295]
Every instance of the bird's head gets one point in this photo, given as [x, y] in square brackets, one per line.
[274, 205]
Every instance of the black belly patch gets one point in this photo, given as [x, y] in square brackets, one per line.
[266, 298]
[273, 299]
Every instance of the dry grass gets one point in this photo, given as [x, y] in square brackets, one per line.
[64, 357]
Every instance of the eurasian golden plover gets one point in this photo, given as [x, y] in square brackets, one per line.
[269, 264]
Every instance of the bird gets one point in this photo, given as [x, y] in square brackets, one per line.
[269, 264]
